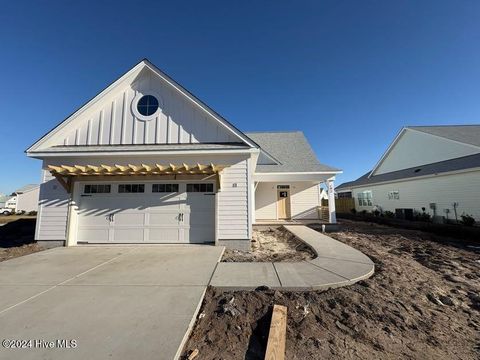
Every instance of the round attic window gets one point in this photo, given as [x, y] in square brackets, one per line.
[147, 105]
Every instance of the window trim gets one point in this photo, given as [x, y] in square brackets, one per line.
[365, 198]
[136, 99]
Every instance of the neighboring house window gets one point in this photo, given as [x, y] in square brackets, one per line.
[164, 188]
[199, 187]
[394, 195]
[96, 189]
[131, 188]
[365, 198]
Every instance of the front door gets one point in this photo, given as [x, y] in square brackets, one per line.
[283, 201]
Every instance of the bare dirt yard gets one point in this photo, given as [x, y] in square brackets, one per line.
[17, 236]
[271, 245]
[13, 252]
[423, 302]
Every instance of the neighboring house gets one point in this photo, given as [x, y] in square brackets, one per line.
[323, 194]
[11, 202]
[436, 168]
[27, 198]
[3, 200]
[145, 161]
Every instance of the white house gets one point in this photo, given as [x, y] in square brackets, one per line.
[11, 202]
[27, 198]
[436, 168]
[145, 161]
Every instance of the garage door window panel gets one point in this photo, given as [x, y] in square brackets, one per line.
[202, 187]
[96, 189]
[131, 188]
[164, 188]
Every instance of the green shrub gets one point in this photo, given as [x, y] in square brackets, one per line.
[467, 220]
[353, 211]
[422, 216]
[32, 213]
[389, 214]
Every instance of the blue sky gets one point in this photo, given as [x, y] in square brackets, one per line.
[349, 74]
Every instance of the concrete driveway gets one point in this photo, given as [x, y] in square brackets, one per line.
[114, 302]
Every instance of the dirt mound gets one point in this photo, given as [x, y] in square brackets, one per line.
[271, 245]
[422, 303]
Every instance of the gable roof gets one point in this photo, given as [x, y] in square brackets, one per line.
[130, 74]
[457, 164]
[291, 150]
[26, 188]
[466, 134]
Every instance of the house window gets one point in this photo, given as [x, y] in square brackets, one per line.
[394, 195]
[147, 105]
[96, 189]
[164, 188]
[365, 198]
[200, 187]
[131, 188]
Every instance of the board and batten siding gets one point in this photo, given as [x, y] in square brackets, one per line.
[232, 204]
[113, 122]
[304, 199]
[416, 148]
[52, 210]
[443, 190]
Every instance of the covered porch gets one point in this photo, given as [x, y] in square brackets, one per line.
[292, 198]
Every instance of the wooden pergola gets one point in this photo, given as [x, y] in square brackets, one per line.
[65, 173]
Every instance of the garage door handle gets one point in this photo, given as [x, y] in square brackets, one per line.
[180, 217]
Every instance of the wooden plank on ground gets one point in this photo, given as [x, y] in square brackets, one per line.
[277, 334]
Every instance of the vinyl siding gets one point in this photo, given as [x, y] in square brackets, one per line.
[232, 202]
[28, 201]
[442, 190]
[304, 198]
[415, 148]
[304, 201]
[53, 210]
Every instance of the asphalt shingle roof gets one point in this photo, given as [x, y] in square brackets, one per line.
[467, 134]
[461, 163]
[291, 149]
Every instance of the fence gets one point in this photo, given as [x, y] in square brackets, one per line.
[342, 205]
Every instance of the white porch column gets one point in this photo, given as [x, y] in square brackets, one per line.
[253, 189]
[332, 217]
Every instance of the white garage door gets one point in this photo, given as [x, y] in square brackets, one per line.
[146, 213]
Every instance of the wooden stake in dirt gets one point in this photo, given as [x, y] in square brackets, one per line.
[277, 334]
[193, 354]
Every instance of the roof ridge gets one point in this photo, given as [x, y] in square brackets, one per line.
[273, 132]
[447, 125]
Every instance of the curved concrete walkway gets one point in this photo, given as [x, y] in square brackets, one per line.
[336, 265]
